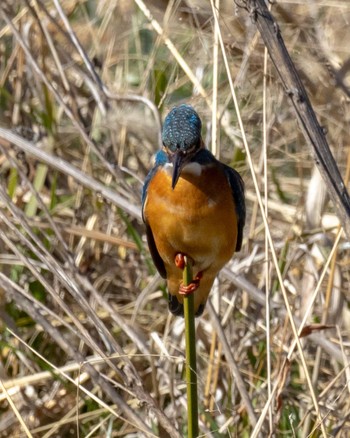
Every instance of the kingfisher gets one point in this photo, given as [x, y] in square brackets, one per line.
[193, 206]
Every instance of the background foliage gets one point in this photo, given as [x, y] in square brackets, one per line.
[88, 347]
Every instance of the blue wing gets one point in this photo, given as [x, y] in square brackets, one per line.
[161, 159]
[237, 189]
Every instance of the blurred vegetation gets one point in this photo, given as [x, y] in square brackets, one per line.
[88, 347]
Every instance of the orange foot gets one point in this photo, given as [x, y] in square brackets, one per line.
[187, 290]
[180, 260]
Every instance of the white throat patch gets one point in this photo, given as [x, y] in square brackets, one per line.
[189, 168]
[193, 169]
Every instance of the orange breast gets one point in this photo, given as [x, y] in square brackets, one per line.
[197, 218]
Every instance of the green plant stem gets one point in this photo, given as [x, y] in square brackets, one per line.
[191, 365]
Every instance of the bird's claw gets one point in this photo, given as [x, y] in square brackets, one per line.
[180, 261]
[190, 288]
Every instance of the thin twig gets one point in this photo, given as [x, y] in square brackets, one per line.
[67, 169]
[269, 237]
[295, 90]
[15, 410]
[233, 364]
[191, 359]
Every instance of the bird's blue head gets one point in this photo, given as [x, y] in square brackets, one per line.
[181, 137]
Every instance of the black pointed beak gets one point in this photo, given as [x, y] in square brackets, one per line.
[178, 162]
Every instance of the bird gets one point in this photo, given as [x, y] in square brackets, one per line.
[193, 206]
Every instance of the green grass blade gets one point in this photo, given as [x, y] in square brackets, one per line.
[191, 364]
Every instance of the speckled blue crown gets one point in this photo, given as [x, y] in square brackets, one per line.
[182, 128]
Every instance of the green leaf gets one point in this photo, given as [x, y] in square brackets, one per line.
[39, 180]
[13, 181]
[38, 290]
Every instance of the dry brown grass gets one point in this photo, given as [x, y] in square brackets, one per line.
[88, 347]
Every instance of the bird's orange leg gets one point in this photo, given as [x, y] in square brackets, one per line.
[186, 290]
[180, 260]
